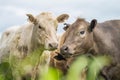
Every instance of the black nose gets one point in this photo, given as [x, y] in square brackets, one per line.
[53, 45]
[64, 50]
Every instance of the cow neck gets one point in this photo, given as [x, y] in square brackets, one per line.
[33, 41]
[93, 47]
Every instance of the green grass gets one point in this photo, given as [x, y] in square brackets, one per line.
[5, 71]
[15, 68]
[92, 64]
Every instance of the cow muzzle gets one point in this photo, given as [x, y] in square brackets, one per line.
[65, 51]
[53, 46]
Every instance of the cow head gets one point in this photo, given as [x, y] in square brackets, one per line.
[78, 38]
[45, 28]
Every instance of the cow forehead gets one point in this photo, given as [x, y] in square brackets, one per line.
[79, 24]
[45, 16]
[46, 19]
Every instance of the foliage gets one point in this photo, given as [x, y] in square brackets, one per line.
[25, 65]
[5, 71]
[77, 68]
[92, 64]
[84, 68]
[96, 65]
[52, 74]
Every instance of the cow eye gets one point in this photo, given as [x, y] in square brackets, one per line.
[82, 32]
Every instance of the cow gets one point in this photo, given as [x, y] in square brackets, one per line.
[94, 38]
[7, 39]
[39, 33]
[61, 63]
[56, 59]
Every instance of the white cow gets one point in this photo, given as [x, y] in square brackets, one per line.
[7, 39]
[40, 32]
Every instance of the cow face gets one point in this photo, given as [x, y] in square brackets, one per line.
[78, 38]
[45, 28]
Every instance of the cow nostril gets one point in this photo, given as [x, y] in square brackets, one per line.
[53, 45]
[50, 45]
[65, 48]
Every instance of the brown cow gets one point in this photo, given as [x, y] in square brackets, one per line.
[57, 60]
[102, 39]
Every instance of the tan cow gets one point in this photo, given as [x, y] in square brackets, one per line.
[39, 33]
[8, 38]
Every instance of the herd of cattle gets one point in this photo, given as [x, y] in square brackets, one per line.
[80, 37]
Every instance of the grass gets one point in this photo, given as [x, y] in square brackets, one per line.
[84, 68]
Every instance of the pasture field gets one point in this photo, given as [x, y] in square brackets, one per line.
[84, 68]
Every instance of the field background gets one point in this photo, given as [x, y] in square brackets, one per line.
[13, 13]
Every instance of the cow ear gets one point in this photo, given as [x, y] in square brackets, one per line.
[66, 26]
[62, 18]
[92, 25]
[31, 18]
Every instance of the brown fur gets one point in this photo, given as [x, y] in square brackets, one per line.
[104, 39]
[59, 64]
[63, 64]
